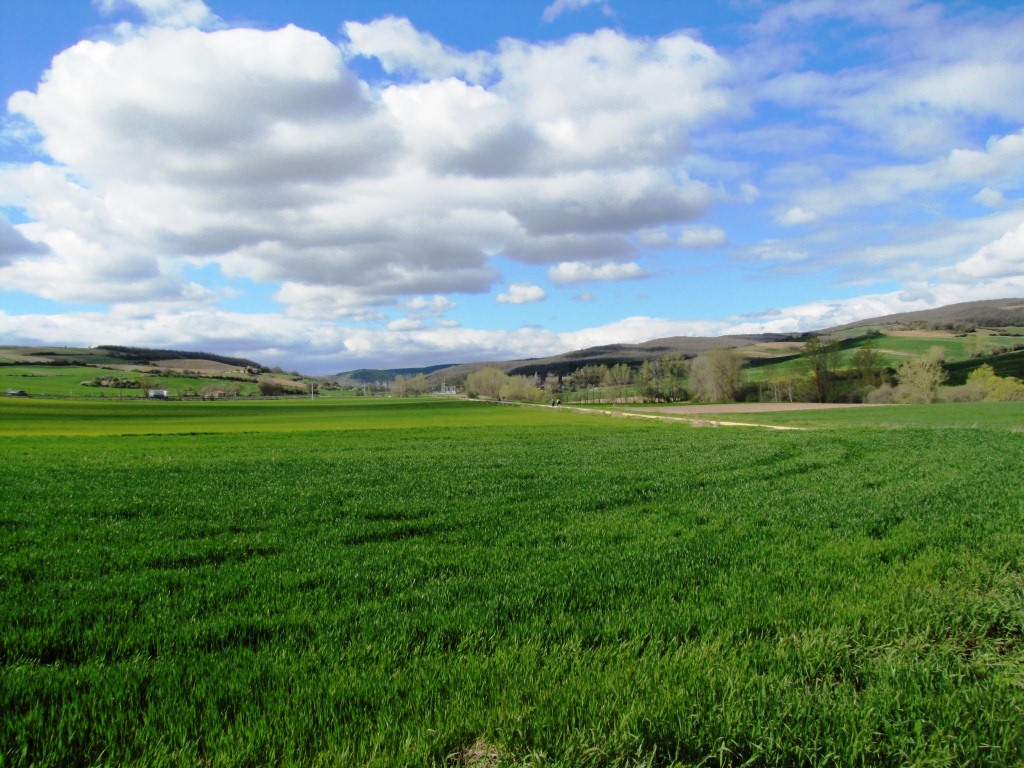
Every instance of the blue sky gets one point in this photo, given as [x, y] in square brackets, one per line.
[328, 185]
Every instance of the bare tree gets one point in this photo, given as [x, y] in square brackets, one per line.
[715, 375]
[487, 382]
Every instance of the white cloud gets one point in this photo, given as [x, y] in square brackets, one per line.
[431, 307]
[262, 154]
[1001, 258]
[569, 272]
[797, 216]
[14, 244]
[400, 47]
[697, 237]
[749, 193]
[1001, 160]
[585, 296]
[559, 7]
[522, 293]
[777, 250]
[165, 13]
[961, 71]
[990, 198]
[406, 324]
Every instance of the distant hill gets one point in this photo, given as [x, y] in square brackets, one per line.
[613, 354]
[146, 355]
[109, 354]
[381, 375]
[993, 313]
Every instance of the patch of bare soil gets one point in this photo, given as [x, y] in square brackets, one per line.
[789, 345]
[479, 755]
[189, 364]
[696, 410]
[209, 367]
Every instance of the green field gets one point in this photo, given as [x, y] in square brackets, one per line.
[66, 381]
[388, 583]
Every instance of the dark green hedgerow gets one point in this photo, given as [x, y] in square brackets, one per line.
[607, 594]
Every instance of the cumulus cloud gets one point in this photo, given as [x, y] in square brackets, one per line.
[261, 153]
[569, 272]
[522, 293]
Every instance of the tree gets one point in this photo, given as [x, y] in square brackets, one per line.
[715, 376]
[267, 388]
[589, 376]
[520, 388]
[823, 358]
[920, 378]
[418, 385]
[618, 375]
[780, 381]
[995, 388]
[487, 382]
[867, 361]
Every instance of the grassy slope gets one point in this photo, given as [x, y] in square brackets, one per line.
[576, 589]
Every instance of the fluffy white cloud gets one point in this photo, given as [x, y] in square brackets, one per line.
[522, 293]
[260, 152]
[1001, 258]
[569, 272]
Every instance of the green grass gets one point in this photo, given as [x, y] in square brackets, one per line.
[50, 417]
[415, 578]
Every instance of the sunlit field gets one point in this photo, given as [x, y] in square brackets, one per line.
[390, 583]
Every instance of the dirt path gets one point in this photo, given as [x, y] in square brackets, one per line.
[691, 414]
[760, 407]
